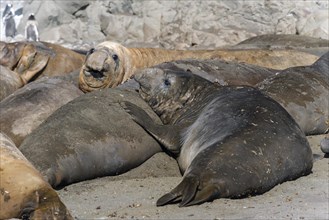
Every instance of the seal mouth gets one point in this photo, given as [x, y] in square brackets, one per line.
[96, 74]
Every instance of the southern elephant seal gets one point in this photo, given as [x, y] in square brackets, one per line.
[307, 44]
[10, 81]
[303, 91]
[23, 191]
[27, 107]
[33, 60]
[91, 136]
[231, 141]
[110, 64]
[220, 71]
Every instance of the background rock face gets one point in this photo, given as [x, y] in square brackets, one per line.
[172, 24]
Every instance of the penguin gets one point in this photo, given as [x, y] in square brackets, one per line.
[9, 21]
[31, 29]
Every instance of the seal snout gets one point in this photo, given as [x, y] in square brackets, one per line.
[95, 65]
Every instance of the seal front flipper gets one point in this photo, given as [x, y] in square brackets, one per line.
[167, 135]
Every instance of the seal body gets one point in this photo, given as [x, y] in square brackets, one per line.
[23, 191]
[110, 64]
[26, 108]
[220, 71]
[307, 44]
[303, 91]
[32, 60]
[230, 141]
[10, 81]
[90, 137]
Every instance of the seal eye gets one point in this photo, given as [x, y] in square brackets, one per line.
[167, 82]
[92, 50]
[115, 57]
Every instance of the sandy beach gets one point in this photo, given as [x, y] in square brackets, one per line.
[133, 195]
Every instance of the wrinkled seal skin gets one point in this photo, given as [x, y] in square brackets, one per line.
[26, 108]
[110, 64]
[23, 191]
[10, 81]
[32, 60]
[91, 136]
[303, 91]
[307, 44]
[230, 141]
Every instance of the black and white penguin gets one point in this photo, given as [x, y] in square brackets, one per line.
[9, 21]
[31, 29]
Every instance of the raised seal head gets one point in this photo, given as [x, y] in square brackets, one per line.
[104, 67]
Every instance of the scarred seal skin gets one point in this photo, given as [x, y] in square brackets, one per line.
[230, 141]
[90, 137]
[23, 191]
[303, 91]
[110, 64]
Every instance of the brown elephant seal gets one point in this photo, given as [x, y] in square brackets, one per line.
[303, 91]
[110, 64]
[25, 109]
[89, 137]
[316, 46]
[33, 60]
[10, 81]
[231, 141]
[23, 191]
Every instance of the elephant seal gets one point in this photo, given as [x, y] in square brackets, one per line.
[25, 109]
[32, 60]
[316, 46]
[220, 71]
[303, 91]
[10, 81]
[23, 191]
[230, 141]
[325, 144]
[110, 64]
[89, 137]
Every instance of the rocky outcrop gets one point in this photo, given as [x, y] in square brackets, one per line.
[174, 24]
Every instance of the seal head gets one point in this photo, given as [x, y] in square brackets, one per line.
[103, 67]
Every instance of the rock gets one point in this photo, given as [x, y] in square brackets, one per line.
[175, 24]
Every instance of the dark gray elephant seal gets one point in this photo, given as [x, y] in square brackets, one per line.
[231, 141]
[91, 136]
[221, 71]
[303, 91]
[26, 108]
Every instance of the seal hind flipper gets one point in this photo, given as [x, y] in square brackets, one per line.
[208, 193]
[39, 63]
[185, 191]
[167, 135]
